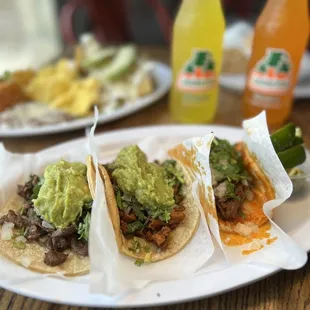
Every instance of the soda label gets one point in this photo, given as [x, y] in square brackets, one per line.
[198, 74]
[272, 74]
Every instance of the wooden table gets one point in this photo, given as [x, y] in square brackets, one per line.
[284, 290]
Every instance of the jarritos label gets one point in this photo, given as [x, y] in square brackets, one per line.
[198, 74]
[272, 74]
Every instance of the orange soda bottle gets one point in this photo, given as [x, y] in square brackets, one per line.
[280, 39]
[196, 60]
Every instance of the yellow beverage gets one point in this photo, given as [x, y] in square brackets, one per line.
[196, 60]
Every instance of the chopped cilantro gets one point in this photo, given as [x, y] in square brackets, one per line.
[173, 175]
[242, 214]
[135, 246]
[139, 262]
[137, 208]
[26, 231]
[146, 249]
[134, 226]
[36, 188]
[83, 229]
[119, 200]
[88, 204]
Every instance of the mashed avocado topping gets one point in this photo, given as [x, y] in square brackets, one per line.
[63, 194]
[147, 182]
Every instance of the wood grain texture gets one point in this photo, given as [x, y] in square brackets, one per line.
[285, 290]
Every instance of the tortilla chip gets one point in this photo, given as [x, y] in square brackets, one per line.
[178, 238]
[146, 86]
[263, 191]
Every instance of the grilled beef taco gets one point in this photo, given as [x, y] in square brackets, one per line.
[45, 226]
[151, 206]
[240, 188]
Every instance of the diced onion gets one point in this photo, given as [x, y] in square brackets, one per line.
[47, 225]
[25, 261]
[7, 231]
[21, 239]
[245, 182]
[249, 195]
[220, 190]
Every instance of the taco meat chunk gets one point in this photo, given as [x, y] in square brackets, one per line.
[148, 195]
[35, 223]
[230, 180]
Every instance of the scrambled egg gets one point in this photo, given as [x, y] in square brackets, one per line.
[60, 87]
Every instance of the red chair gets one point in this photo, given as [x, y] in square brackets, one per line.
[109, 18]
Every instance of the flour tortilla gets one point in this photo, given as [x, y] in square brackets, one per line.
[33, 254]
[263, 191]
[178, 238]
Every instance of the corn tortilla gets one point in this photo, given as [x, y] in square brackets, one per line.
[178, 238]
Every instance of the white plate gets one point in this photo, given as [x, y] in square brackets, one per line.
[236, 82]
[292, 217]
[162, 77]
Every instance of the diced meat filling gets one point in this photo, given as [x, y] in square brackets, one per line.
[155, 231]
[229, 209]
[55, 240]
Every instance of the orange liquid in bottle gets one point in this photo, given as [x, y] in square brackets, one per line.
[280, 39]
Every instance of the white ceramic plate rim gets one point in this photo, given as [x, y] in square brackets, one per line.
[197, 287]
[236, 82]
[162, 75]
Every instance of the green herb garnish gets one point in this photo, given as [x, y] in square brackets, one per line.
[135, 246]
[83, 229]
[36, 188]
[146, 249]
[139, 262]
[134, 226]
[119, 200]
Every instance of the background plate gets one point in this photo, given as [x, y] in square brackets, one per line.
[292, 217]
[162, 77]
[236, 82]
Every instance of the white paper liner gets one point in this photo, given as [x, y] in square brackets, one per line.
[283, 252]
[15, 169]
[114, 274]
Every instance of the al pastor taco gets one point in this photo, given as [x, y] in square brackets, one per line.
[241, 187]
[45, 226]
[151, 206]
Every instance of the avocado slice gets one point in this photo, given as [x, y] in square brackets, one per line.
[124, 59]
[98, 58]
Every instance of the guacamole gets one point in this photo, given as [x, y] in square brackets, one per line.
[63, 194]
[147, 182]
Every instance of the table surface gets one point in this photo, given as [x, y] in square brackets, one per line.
[284, 290]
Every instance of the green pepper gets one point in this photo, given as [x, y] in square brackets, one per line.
[284, 137]
[292, 157]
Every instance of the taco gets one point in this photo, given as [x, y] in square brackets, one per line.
[45, 226]
[240, 189]
[151, 206]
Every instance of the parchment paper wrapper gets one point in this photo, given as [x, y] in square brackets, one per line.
[113, 273]
[283, 252]
[15, 169]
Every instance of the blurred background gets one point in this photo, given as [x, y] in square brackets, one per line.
[46, 26]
